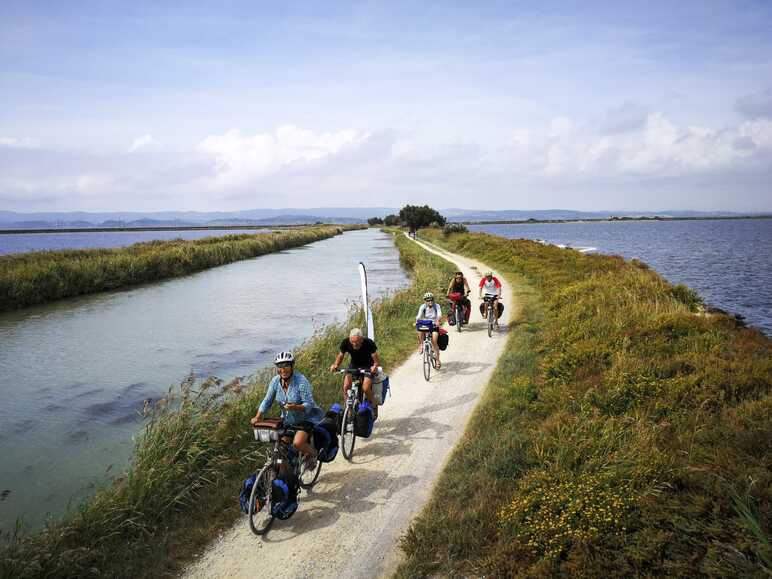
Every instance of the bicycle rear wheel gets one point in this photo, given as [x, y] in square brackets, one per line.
[348, 437]
[259, 511]
[459, 317]
[307, 478]
[427, 362]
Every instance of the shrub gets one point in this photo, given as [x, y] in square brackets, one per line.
[454, 228]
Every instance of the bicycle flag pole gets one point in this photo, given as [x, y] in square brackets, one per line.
[366, 302]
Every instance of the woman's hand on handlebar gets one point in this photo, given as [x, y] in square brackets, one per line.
[334, 368]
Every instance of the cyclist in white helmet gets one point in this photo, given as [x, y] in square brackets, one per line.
[490, 288]
[294, 393]
[430, 310]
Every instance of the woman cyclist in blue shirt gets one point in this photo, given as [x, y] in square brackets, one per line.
[293, 392]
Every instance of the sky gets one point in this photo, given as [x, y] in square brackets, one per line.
[144, 106]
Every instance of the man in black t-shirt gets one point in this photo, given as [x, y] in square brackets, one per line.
[364, 355]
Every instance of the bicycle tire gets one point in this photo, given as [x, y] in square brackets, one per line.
[490, 320]
[307, 478]
[348, 437]
[259, 513]
[427, 362]
[459, 317]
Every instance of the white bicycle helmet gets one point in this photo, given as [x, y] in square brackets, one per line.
[428, 296]
[284, 357]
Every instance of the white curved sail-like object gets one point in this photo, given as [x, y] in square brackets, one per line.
[366, 302]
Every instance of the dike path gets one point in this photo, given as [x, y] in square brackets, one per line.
[350, 524]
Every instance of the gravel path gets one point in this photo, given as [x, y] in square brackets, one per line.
[350, 523]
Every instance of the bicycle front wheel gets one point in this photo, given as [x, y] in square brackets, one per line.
[347, 435]
[259, 511]
[490, 321]
[427, 362]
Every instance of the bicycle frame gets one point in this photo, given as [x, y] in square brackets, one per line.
[260, 497]
[353, 399]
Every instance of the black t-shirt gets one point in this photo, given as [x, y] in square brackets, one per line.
[458, 286]
[361, 358]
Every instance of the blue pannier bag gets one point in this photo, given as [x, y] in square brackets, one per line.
[363, 421]
[284, 501]
[326, 434]
[246, 492]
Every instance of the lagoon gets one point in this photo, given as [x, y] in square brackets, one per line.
[728, 262]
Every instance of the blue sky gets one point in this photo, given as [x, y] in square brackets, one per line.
[587, 105]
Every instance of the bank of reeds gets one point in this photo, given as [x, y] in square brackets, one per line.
[182, 485]
[34, 278]
[625, 433]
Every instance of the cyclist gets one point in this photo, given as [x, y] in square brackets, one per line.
[364, 356]
[459, 285]
[430, 310]
[491, 287]
[293, 392]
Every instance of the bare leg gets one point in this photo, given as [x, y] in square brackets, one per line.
[301, 443]
[346, 386]
[367, 386]
[435, 335]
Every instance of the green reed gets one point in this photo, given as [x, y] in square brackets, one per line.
[34, 278]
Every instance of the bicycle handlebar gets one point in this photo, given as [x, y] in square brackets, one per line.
[355, 371]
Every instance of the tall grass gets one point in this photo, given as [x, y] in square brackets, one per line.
[626, 432]
[181, 487]
[34, 278]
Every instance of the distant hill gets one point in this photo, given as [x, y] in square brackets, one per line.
[342, 215]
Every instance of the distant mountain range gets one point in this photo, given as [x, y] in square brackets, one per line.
[80, 219]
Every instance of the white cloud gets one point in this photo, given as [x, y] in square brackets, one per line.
[144, 142]
[242, 158]
[19, 143]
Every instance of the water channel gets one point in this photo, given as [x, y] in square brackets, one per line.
[76, 372]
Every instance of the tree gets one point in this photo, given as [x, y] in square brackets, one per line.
[416, 217]
[391, 220]
[375, 221]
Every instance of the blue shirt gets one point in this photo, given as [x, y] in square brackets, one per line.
[298, 392]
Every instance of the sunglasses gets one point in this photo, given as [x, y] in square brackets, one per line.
[284, 365]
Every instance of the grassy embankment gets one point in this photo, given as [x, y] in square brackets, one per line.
[624, 433]
[182, 486]
[34, 278]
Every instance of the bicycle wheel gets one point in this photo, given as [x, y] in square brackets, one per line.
[347, 435]
[259, 511]
[307, 478]
[490, 320]
[427, 361]
[459, 317]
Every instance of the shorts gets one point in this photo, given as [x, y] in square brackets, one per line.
[303, 425]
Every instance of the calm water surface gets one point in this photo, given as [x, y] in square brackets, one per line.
[75, 373]
[728, 262]
[23, 242]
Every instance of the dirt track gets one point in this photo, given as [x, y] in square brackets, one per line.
[350, 523]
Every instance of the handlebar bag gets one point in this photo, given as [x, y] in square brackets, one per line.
[424, 325]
